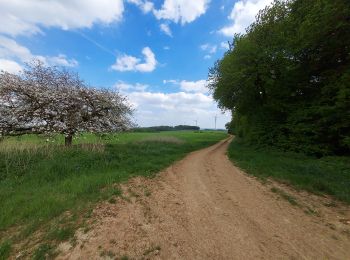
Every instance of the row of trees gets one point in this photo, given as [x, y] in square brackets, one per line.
[48, 100]
[287, 80]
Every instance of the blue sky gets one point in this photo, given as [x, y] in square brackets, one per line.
[155, 52]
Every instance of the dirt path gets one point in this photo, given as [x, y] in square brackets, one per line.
[205, 208]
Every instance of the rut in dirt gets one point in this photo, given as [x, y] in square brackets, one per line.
[203, 207]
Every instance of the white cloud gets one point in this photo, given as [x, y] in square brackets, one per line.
[10, 50]
[172, 81]
[145, 6]
[130, 63]
[10, 66]
[166, 48]
[170, 101]
[207, 57]
[209, 48]
[125, 63]
[191, 102]
[177, 11]
[224, 45]
[166, 29]
[181, 11]
[29, 16]
[242, 15]
[176, 108]
[126, 87]
[198, 86]
[62, 60]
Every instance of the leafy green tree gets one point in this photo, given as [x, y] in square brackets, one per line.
[287, 80]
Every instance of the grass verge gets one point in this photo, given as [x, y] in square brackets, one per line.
[327, 175]
[5, 249]
[285, 196]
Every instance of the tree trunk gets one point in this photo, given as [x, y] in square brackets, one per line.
[68, 140]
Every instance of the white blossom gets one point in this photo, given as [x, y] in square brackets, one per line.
[51, 100]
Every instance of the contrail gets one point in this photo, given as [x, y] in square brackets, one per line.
[100, 46]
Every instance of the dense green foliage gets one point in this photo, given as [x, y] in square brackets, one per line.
[327, 175]
[39, 181]
[287, 80]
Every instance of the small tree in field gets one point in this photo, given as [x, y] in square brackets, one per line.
[49, 100]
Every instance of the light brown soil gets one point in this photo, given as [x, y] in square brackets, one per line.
[203, 207]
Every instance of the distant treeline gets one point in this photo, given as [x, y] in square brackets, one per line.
[165, 128]
[287, 80]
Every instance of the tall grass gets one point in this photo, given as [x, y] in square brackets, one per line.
[326, 175]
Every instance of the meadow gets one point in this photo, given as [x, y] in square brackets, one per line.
[328, 175]
[40, 178]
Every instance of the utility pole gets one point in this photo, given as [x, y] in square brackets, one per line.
[196, 122]
[215, 120]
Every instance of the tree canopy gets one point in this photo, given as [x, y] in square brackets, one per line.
[52, 100]
[287, 80]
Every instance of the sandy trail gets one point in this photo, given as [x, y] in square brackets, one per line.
[203, 207]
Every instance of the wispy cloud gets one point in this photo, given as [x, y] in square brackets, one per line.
[209, 49]
[13, 53]
[144, 5]
[166, 29]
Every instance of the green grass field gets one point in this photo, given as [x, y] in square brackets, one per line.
[40, 179]
[328, 175]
